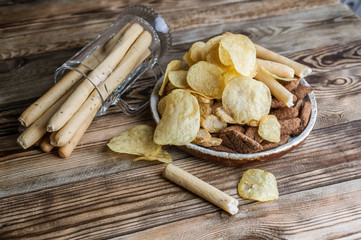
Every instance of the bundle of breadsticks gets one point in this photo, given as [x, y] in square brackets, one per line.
[61, 116]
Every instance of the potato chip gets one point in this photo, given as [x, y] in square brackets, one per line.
[206, 78]
[187, 58]
[178, 78]
[212, 43]
[195, 51]
[270, 129]
[223, 115]
[212, 123]
[137, 141]
[202, 136]
[162, 156]
[161, 105]
[246, 99]
[213, 57]
[204, 108]
[239, 51]
[172, 66]
[258, 185]
[229, 75]
[180, 121]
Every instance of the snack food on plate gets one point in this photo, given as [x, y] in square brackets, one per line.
[248, 97]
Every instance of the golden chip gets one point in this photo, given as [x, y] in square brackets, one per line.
[258, 185]
[206, 78]
[178, 78]
[137, 141]
[212, 43]
[269, 128]
[172, 66]
[195, 51]
[162, 156]
[187, 58]
[239, 51]
[161, 105]
[247, 100]
[180, 121]
[212, 123]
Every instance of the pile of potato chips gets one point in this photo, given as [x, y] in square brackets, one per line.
[213, 88]
[212, 99]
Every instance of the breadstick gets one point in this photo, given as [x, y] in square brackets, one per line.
[35, 110]
[45, 145]
[66, 150]
[201, 188]
[38, 129]
[276, 68]
[277, 90]
[106, 88]
[98, 75]
[300, 69]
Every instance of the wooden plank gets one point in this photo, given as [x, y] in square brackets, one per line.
[70, 197]
[301, 31]
[336, 208]
[76, 29]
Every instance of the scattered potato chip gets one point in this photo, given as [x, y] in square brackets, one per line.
[137, 141]
[239, 51]
[196, 51]
[212, 123]
[180, 121]
[246, 99]
[178, 78]
[172, 66]
[187, 58]
[258, 185]
[162, 156]
[206, 78]
[211, 44]
[270, 129]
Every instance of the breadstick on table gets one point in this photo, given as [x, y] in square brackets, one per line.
[98, 75]
[276, 68]
[300, 69]
[201, 188]
[66, 150]
[125, 67]
[35, 110]
[277, 90]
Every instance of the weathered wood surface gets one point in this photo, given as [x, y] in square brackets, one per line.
[96, 193]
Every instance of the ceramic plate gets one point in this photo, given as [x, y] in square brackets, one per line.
[236, 159]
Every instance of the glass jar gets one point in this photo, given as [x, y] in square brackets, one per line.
[91, 55]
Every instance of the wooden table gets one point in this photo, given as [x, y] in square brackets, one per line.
[97, 194]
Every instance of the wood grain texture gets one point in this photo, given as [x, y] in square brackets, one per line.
[65, 25]
[99, 194]
[110, 207]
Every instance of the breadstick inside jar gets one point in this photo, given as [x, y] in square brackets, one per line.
[201, 188]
